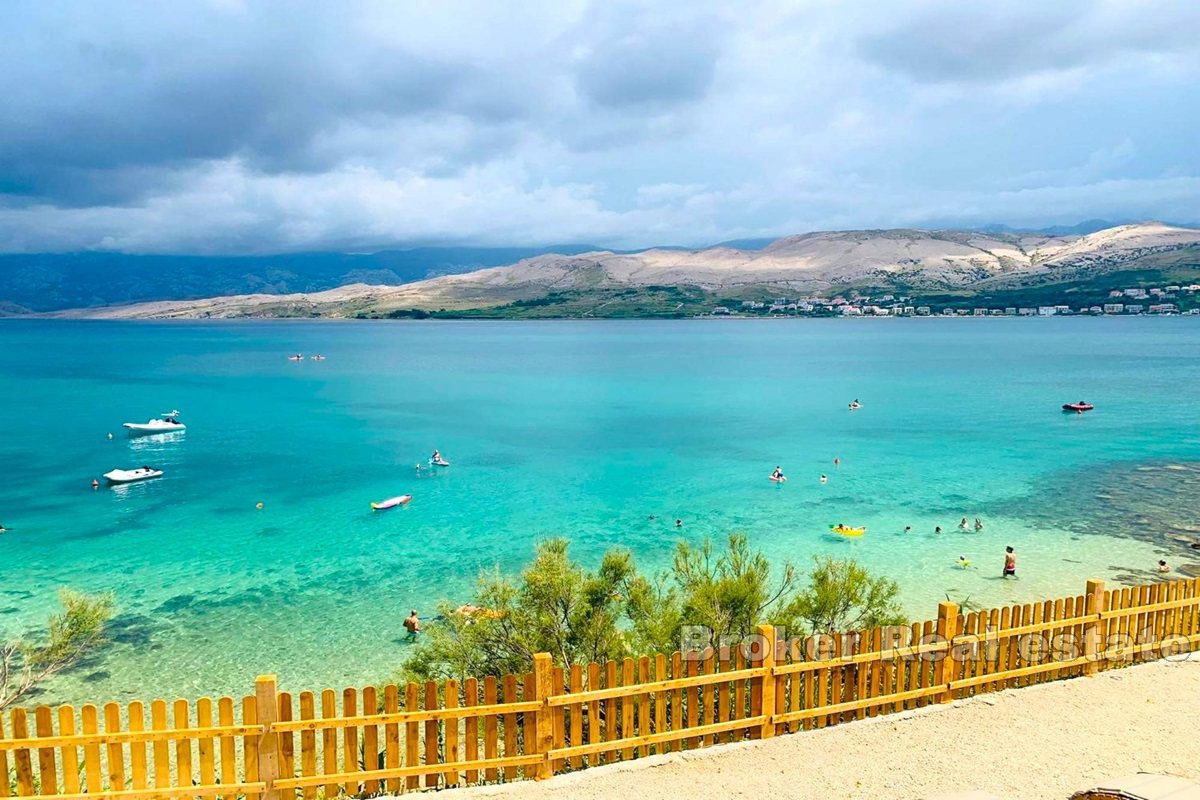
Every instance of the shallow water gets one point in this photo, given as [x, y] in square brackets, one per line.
[579, 429]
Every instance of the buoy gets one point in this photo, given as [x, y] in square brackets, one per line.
[259, 506]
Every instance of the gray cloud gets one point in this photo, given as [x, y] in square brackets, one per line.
[948, 42]
[230, 126]
[646, 69]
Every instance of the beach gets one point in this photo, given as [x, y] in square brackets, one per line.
[1036, 743]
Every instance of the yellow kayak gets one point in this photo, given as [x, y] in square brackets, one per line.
[842, 530]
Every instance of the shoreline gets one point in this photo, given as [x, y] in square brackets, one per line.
[57, 316]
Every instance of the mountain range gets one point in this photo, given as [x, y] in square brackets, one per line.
[675, 281]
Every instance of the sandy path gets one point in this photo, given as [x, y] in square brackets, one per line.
[1038, 742]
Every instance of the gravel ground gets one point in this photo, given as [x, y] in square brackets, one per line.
[1042, 742]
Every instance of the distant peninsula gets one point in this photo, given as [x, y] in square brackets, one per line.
[1147, 267]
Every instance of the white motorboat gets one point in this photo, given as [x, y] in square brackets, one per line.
[132, 475]
[168, 424]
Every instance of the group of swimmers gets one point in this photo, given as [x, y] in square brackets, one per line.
[962, 526]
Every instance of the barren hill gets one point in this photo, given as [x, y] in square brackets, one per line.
[913, 260]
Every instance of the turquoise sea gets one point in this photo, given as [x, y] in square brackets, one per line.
[603, 432]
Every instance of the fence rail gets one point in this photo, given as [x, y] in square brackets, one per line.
[360, 742]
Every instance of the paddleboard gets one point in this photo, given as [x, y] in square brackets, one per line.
[391, 502]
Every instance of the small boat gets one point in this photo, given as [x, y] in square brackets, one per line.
[167, 425]
[441, 462]
[318, 358]
[1080, 406]
[842, 530]
[297, 357]
[773, 479]
[132, 475]
[391, 502]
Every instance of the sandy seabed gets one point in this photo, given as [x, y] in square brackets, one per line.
[1040, 742]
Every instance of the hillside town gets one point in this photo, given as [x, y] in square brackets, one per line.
[1164, 300]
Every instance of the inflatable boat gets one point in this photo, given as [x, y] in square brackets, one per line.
[842, 530]
[132, 475]
[1080, 406]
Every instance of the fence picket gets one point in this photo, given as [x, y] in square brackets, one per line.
[491, 735]
[510, 725]
[431, 735]
[89, 718]
[575, 686]
[43, 722]
[660, 701]
[250, 744]
[594, 730]
[370, 739]
[23, 766]
[471, 729]
[308, 744]
[181, 719]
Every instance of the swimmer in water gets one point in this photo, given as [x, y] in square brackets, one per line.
[836, 461]
[908, 528]
[824, 479]
[937, 528]
[678, 523]
[1162, 565]
[962, 526]
[963, 562]
[978, 524]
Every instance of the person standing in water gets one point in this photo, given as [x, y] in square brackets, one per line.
[412, 624]
[1010, 563]
[962, 526]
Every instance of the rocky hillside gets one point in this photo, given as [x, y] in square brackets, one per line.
[905, 260]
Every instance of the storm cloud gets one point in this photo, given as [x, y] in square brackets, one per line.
[250, 127]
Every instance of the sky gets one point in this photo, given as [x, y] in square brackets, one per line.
[260, 127]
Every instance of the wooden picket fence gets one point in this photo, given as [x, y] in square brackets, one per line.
[391, 739]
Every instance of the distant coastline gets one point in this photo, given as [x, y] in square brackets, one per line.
[1147, 268]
